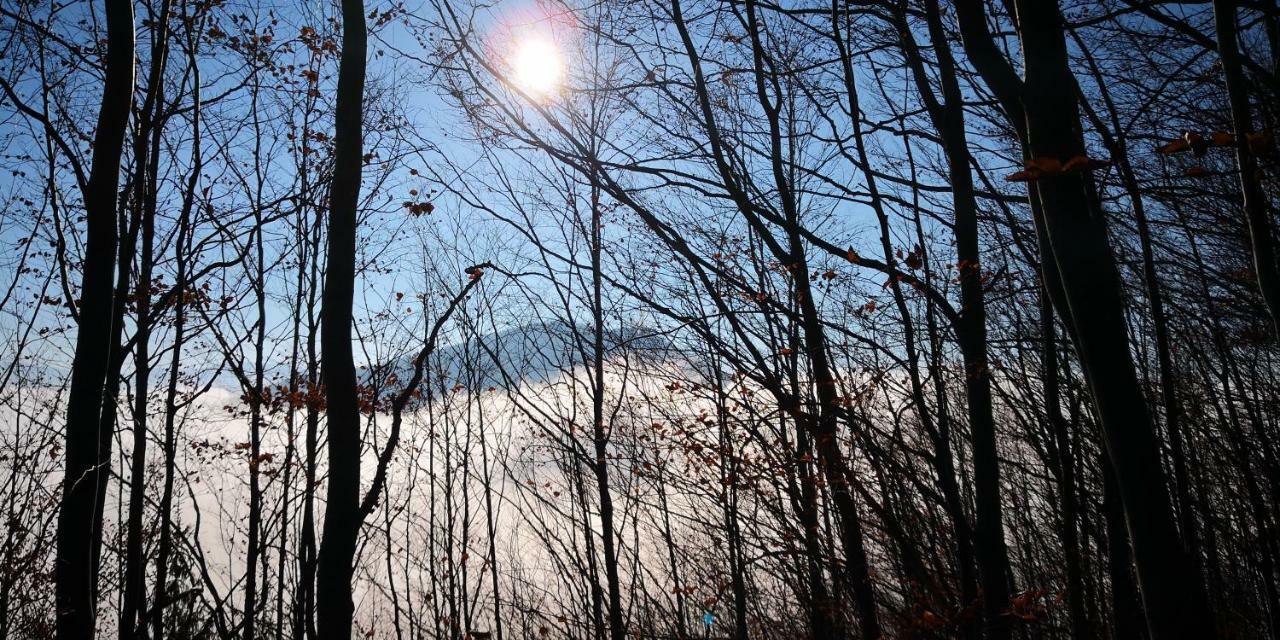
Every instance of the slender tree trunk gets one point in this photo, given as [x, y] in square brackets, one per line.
[668, 539]
[258, 279]
[491, 533]
[971, 331]
[132, 618]
[823, 428]
[1126, 608]
[1261, 234]
[334, 607]
[304, 598]
[600, 438]
[1066, 469]
[825, 619]
[730, 479]
[308, 279]
[88, 449]
[135, 566]
[181, 251]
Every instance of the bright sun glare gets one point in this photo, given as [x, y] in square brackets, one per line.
[537, 66]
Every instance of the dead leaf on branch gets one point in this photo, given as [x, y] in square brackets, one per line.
[1047, 167]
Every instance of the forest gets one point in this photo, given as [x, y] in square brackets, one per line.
[639, 319]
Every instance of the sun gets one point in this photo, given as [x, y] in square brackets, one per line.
[537, 66]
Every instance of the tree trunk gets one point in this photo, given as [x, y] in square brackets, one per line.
[1066, 469]
[1074, 239]
[600, 439]
[88, 460]
[334, 607]
[1175, 599]
[1126, 610]
[181, 251]
[1252, 196]
[145, 194]
[971, 330]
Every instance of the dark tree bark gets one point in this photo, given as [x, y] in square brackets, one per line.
[1077, 243]
[599, 436]
[258, 279]
[1126, 608]
[947, 114]
[730, 516]
[146, 157]
[1066, 473]
[1169, 379]
[1261, 233]
[334, 608]
[182, 250]
[88, 449]
[304, 623]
